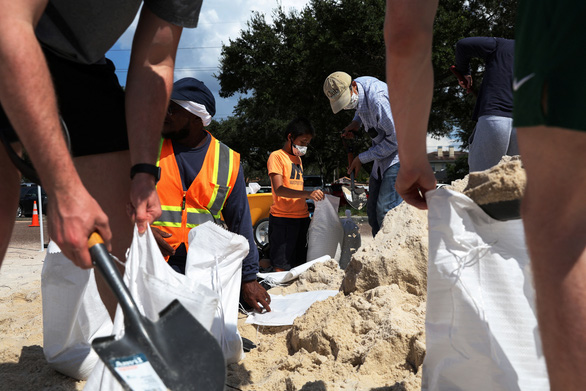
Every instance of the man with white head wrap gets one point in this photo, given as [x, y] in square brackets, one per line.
[204, 178]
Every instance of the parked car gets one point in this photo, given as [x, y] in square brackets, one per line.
[29, 194]
[260, 204]
[264, 189]
[313, 182]
[335, 189]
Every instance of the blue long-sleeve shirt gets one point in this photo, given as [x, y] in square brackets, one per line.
[236, 211]
[374, 113]
[495, 96]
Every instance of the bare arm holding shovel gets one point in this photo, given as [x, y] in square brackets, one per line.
[349, 131]
[75, 213]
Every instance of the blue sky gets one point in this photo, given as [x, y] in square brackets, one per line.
[199, 49]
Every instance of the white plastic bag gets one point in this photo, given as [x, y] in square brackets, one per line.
[325, 233]
[73, 315]
[481, 327]
[214, 259]
[285, 309]
[153, 286]
[252, 188]
[282, 278]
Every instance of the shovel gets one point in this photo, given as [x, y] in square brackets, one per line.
[356, 198]
[173, 353]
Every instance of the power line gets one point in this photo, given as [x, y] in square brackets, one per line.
[208, 23]
[198, 69]
[183, 48]
[181, 69]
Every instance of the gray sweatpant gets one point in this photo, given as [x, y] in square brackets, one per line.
[493, 138]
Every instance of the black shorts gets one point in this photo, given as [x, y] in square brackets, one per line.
[91, 102]
[549, 83]
[288, 241]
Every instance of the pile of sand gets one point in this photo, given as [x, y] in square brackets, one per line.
[370, 335]
[503, 182]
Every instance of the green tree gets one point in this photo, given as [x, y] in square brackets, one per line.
[281, 67]
[458, 170]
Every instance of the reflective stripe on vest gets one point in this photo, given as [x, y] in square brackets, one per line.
[196, 217]
[223, 167]
[222, 173]
[170, 216]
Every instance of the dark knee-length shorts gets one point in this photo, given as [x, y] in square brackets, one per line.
[550, 83]
[91, 103]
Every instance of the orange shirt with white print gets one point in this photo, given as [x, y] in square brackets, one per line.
[290, 168]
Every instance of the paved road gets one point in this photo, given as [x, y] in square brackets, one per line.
[27, 237]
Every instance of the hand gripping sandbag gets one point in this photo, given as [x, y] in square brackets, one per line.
[73, 315]
[325, 234]
[214, 259]
[481, 328]
[154, 285]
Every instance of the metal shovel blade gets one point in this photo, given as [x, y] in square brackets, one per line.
[173, 353]
[356, 198]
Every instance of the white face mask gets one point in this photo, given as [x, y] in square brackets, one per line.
[353, 102]
[298, 150]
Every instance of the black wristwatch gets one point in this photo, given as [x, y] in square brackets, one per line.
[147, 169]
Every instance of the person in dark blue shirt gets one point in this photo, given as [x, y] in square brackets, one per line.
[494, 135]
[191, 108]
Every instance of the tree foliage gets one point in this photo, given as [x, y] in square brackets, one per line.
[458, 170]
[280, 68]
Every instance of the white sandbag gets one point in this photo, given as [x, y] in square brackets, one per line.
[153, 286]
[325, 234]
[282, 278]
[73, 315]
[252, 188]
[214, 259]
[481, 328]
[284, 309]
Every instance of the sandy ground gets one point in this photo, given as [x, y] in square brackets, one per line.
[361, 349]
[22, 364]
[370, 336]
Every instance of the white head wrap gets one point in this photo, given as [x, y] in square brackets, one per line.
[195, 109]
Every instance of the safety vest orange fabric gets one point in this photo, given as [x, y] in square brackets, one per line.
[205, 198]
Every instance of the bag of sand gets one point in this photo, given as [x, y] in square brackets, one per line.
[481, 327]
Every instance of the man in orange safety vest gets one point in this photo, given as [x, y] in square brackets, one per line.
[201, 180]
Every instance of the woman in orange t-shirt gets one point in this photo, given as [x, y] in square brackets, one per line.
[289, 217]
